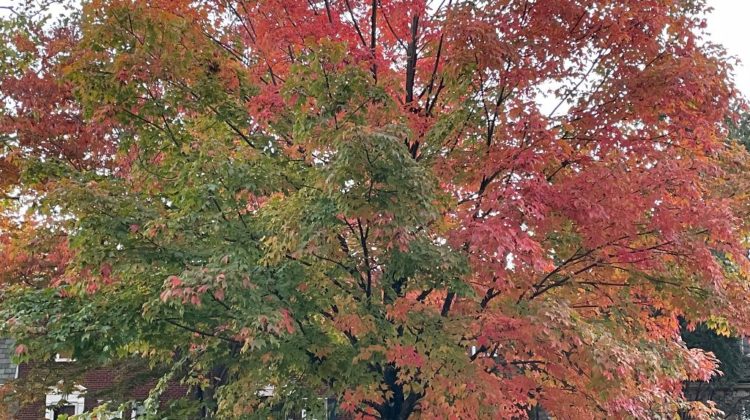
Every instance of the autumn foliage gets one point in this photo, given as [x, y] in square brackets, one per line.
[422, 209]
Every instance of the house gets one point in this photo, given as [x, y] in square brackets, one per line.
[95, 386]
[92, 387]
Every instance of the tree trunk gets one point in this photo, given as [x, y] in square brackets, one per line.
[399, 406]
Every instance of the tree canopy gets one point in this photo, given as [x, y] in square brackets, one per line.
[459, 209]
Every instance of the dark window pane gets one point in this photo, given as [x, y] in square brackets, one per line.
[68, 410]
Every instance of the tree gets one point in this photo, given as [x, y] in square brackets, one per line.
[452, 209]
[728, 350]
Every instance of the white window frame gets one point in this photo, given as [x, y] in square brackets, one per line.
[745, 346]
[62, 359]
[75, 398]
[267, 391]
[137, 410]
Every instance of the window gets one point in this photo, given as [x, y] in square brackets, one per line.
[745, 346]
[63, 410]
[266, 391]
[59, 404]
[138, 411]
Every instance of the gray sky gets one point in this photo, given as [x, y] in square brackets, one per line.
[729, 25]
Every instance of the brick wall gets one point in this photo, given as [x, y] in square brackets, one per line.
[99, 384]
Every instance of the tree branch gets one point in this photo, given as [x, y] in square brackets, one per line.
[197, 331]
[411, 60]
[373, 39]
[354, 21]
[447, 303]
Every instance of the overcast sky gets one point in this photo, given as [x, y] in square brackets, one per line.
[729, 25]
